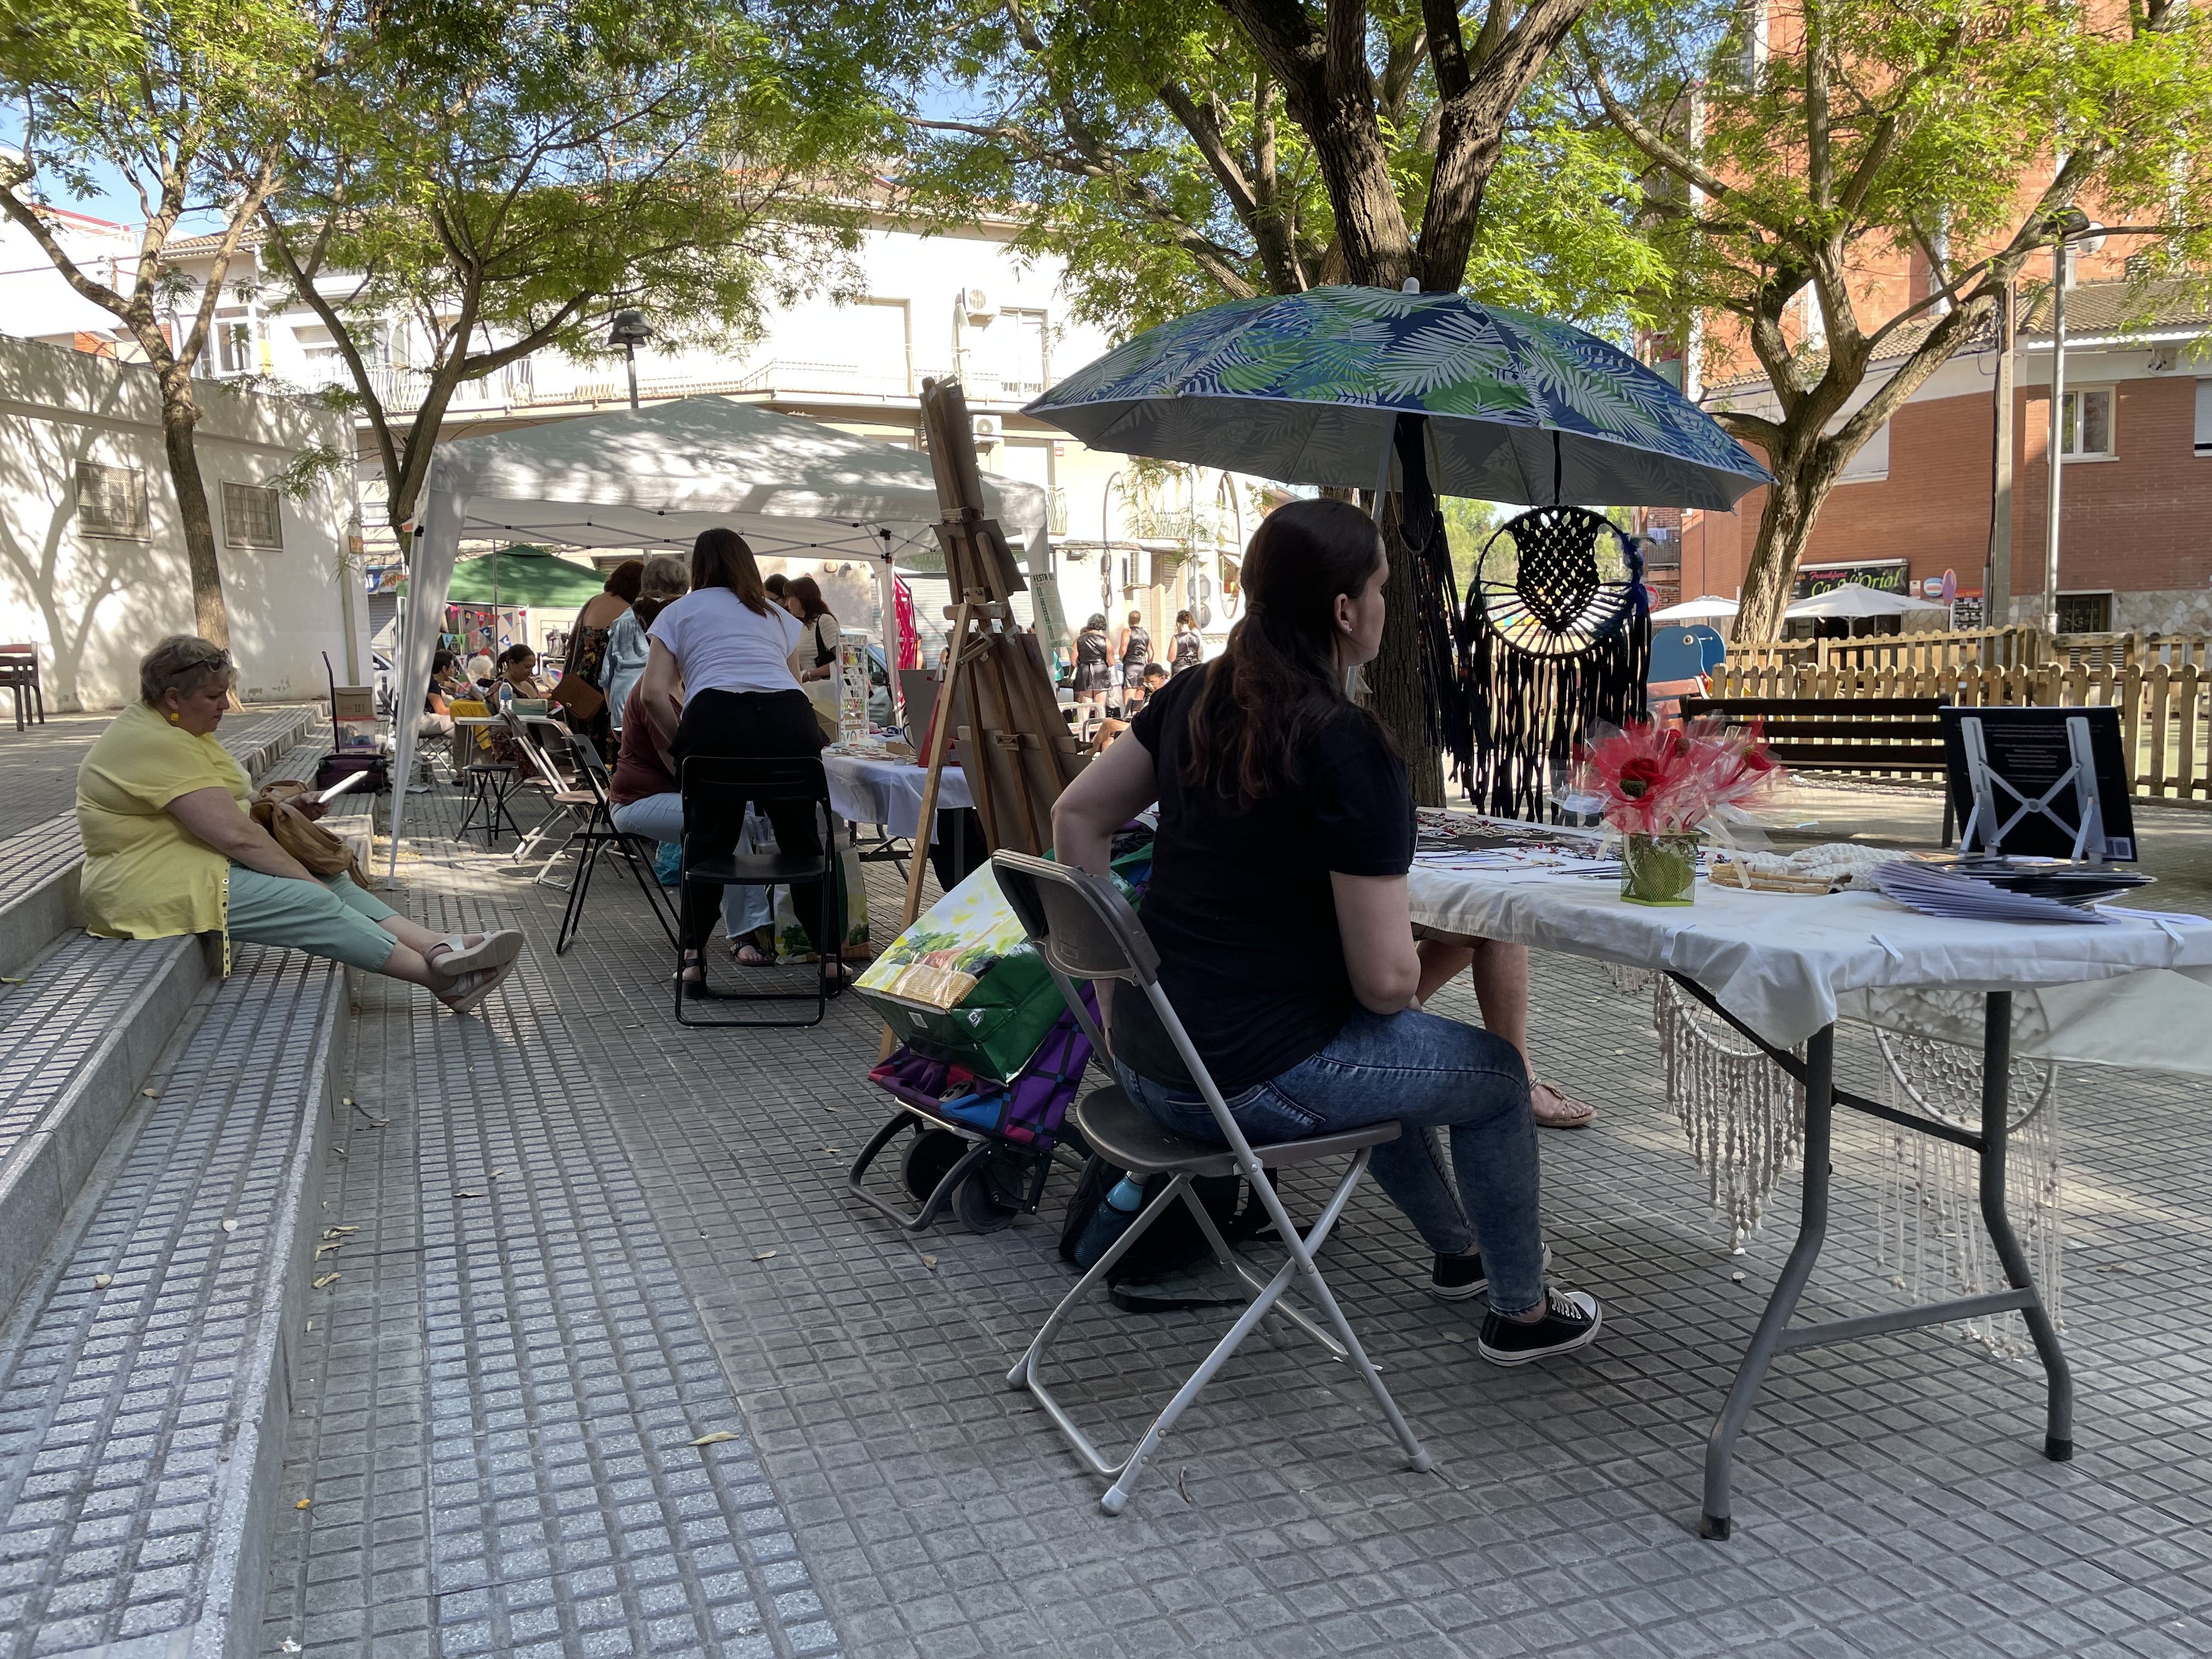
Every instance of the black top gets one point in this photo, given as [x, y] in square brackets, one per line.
[1189, 649]
[1091, 647]
[1240, 905]
[1139, 650]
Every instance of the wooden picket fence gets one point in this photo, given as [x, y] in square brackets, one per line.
[2161, 685]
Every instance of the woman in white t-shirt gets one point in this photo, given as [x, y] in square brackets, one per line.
[730, 645]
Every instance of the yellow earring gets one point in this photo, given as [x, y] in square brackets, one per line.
[172, 718]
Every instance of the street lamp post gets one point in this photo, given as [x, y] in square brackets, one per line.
[630, 330]
[2065, 225]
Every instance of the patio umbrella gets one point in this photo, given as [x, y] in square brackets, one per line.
[1707, 607]
[1308, 388]
[1854, 600]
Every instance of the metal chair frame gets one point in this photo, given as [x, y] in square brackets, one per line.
[564, 804]
[1084, 929]
[763, 778]
[598, 834]
[488, 782]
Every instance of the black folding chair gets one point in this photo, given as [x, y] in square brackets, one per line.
[1084, 929]
[724, 784]
[597, 834]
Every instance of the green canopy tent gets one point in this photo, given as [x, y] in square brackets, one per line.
[523, 575]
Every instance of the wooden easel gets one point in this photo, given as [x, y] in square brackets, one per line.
[1015, 750]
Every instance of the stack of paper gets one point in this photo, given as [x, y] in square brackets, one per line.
[1937, 892]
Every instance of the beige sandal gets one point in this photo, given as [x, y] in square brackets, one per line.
[1555, 1109]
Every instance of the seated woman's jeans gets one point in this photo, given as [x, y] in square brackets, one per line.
[1428, 1074]
[661, 817]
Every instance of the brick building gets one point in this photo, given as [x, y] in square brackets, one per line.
[1917, 501]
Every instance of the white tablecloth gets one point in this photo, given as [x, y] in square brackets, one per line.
[889, 792]
[2129, 993]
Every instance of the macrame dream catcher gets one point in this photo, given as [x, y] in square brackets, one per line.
[1744, 1117]
[1557, 637]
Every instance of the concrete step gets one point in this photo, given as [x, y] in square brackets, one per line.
[76, 1039]
[142, 1422]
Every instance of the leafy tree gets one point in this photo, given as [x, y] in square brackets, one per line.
[189, 102]
[504, 176]
[1469, 526]
[1789, 173]
[1179, 154]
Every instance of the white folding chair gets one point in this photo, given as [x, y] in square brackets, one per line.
[1084, 929]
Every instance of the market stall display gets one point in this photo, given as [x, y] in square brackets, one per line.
[1782, 969]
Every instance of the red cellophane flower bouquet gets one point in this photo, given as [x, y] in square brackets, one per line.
[1659, 785]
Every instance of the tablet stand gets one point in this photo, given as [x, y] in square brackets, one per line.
[1984, 781]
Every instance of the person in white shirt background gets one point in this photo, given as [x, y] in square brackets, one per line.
[729, 646]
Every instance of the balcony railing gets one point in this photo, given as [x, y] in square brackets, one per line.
[795, 376]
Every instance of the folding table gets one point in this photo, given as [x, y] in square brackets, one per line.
[1782, 969]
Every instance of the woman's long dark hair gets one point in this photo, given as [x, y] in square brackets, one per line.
[807, 594]
[1278, 674]
[720, 558]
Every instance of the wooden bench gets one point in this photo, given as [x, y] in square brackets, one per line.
[1886, 735]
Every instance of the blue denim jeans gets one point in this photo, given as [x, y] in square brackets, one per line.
[1428, 1074]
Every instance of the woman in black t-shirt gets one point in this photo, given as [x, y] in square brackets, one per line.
[1278, 904]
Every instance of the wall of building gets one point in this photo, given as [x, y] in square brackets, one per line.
[94, 604]
[2131, 524]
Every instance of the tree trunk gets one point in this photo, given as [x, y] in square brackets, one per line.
[1394, 678]
[1785, 526]
[179, 415]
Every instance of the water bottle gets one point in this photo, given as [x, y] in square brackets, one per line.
[1109, 1221]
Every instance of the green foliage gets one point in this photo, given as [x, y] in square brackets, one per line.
[1783, 187]
[504, 176]
[171, 94]
[1142, 141]
[1467, 527]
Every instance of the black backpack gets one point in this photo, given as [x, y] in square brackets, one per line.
[1172, 1242]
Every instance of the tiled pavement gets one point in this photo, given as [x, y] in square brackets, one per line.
[495, 1398]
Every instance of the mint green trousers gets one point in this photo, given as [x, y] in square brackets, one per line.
[329, 917]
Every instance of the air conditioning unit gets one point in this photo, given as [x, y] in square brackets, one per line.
[985, 428]
[979, 304]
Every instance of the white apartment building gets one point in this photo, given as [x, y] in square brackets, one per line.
[93, 568]
[957, 302]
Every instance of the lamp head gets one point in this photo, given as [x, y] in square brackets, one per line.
[630, 329]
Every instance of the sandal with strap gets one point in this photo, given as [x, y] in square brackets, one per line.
[473, 988]
[489, 950]
[1555, 1109]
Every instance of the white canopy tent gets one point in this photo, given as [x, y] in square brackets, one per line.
[656, 477]
[1856, 600]
[1707, 607]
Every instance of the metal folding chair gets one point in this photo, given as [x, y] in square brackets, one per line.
[726, 784]
[598, 834]
[1084, 929]
[565, 803]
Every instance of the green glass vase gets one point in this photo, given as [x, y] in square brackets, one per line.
[1659, 869]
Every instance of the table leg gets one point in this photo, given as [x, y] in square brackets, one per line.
[1767, 1342]
[1997, 1102]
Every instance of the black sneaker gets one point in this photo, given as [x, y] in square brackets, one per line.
[1461, 1278]
[1570, 1320]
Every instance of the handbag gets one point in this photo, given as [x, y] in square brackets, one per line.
[578, 697]
[322, 852]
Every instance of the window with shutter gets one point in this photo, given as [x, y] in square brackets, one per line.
[250, 517]
[111, 501]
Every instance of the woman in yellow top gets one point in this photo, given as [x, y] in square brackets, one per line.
[169, 848]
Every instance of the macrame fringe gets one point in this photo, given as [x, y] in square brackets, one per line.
[1744, 1115]
[1931, 1235]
